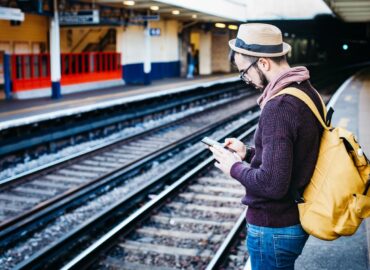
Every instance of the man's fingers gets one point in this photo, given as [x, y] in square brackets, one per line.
[217, 165]
[219, 148]
[227, 141]
[237, 156]
[213, 150]
[217, 157]
[216, 149]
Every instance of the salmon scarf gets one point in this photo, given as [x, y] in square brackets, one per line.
[295, 74]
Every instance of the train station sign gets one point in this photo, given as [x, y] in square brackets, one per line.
[145, 18]
[155, 32]
[11, 14]
[83, 17]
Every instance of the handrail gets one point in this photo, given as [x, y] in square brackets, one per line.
[83, 38]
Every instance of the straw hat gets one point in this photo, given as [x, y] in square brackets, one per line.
[259, 39]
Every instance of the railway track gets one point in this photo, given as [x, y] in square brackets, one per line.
[187, 130]
[23, 196]
[238, 255]
[19, 145]
[196, 223]
[190, 225]
[151, 228]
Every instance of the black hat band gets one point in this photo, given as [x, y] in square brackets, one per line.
[259, 48]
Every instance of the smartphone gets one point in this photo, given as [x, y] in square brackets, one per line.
[210, 142]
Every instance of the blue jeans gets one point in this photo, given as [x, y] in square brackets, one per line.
[190, 71]
[275, 248]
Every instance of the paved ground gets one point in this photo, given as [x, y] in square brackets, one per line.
[351, 109]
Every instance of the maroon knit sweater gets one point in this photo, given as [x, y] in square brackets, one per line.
[287, 143]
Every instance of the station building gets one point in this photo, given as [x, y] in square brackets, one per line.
[52, 48]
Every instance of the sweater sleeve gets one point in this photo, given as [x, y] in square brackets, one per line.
[272, 179]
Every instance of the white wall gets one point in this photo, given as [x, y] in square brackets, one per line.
[164, 48]
[130, 43]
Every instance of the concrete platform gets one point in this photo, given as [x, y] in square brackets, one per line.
[352, 111]
[19, 112]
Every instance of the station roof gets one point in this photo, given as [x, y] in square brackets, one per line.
[285, 9]
[229, 10]
[185, 10]
[351, 10]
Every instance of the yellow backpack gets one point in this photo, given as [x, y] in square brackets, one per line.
[336, 200]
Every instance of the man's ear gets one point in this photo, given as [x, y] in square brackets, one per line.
[264, 64]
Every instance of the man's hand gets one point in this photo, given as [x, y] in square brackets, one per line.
[236, 145]
[225, 158]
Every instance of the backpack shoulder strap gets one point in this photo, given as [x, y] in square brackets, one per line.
[295, 193]
[307, 100]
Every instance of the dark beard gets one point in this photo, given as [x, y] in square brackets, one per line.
[263, 79]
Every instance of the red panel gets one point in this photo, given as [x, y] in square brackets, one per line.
[63, 59]
[101, 62]
[69, 64]
[48, 65]
[83, 59]
[75, 58]
[23, 67]
[39, 57]
[106, 66]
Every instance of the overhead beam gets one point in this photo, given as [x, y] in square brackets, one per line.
[356, 18]
[363, 9]
[350, 11]
[359, 13]
[349, 4]
[165, 10]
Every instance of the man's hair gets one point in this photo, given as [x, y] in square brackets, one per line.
[251, 59]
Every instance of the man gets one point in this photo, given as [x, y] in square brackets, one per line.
[286, 148]
[191, 62]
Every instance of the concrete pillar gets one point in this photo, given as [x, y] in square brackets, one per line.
[147, 60]
[7, 79]
[184, 40]
[120, 47]
[205, 49]
[220, 52]
[55, 70]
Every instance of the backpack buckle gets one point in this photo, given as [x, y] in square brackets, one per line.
[299, 200]
[329, 116]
